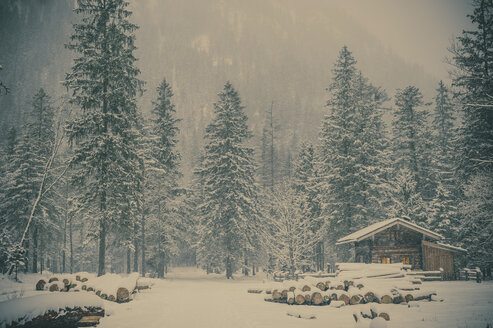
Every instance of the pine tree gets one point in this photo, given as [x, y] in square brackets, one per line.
[28, 158]
[443, 207]
[304, 183]
[412, 146]
[163, 176]
[472, 56]
[227, 179]
[406, 198]
[104, 85]
[476, 230]
[269, 158]
[443, 213]
[352, 147]
[12, 140]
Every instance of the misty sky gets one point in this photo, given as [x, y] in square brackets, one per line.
[417, 30]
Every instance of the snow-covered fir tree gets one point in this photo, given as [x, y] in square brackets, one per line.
[406, 198]
[472, 59]
[473, 81]
[28, 158]
[162, 178]
[352, 151]
[476, 230]
[412, 144]
[227, 179]
[104, 84]
[443, 213]
[304, 183]
[269, 159]
[444, 205]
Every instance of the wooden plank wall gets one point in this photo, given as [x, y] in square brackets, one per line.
[435, 258]
[396, 253]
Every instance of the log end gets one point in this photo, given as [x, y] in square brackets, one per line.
[40, 285]
[122, 294]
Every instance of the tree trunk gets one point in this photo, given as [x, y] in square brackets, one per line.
[102, 248]
[253, 269]
[35, 250]
[41, 256]
[54, 264]
[71, 247]
[245, 270]
[129, 267]
[161, 264]
[64, 247]
[136, 249]
[65, 220]
[142, 247]
[229, 268]
[26, 265]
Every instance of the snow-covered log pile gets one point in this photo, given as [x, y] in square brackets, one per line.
[354, 284]
[111, 287]
[50, 310]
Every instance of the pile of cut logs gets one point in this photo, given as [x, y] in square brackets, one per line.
[125, 286]
[338, 293]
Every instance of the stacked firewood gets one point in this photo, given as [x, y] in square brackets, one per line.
[346, 292]
[109, 287]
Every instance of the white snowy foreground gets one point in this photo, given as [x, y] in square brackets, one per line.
[190, 298]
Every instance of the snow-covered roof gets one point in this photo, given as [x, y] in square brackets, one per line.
[383, 225]
[451, 247]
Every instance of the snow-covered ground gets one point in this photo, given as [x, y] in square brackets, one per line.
[190, 298]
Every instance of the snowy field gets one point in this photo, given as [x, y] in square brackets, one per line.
[190, 298]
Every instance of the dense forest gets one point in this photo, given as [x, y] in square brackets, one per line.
[117, 157]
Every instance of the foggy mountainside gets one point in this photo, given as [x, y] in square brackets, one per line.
[261, 46]
[246, 163]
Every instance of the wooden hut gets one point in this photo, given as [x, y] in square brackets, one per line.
[400, 241]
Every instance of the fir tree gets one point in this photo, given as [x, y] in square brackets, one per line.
[163, 176]
[304, 183]
[406, 198]
[104, 85]
[476, 230]
[227, 179]
[412, 144]
[443, 207]
[269, 153]
[28, 159]
[472, 56]
[352, 145]
[443, 212]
